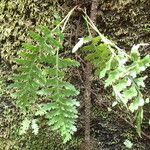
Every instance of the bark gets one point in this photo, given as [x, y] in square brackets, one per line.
[87, 94]
[87, 98]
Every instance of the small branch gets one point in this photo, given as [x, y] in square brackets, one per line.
[87, 94]
[65, 20]
[87, 98]
[116, 113]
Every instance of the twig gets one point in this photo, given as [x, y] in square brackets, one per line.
[87, 94]
[116, 113]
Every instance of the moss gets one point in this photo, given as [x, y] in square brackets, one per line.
[17, 18]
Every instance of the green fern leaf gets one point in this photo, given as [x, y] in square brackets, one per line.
[41, 72]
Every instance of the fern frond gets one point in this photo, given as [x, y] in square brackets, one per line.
[111, 62]
[40, 73]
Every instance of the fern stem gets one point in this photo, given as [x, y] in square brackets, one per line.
[65, 20]
[57, 69]
[104, 39]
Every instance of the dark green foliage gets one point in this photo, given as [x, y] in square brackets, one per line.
[98, 53]
[41, 73]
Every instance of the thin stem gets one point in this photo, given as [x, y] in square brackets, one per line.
[65, 20]
[57, 69]
[88, 29]
[102, 36]
[123, 118]
[104, 39]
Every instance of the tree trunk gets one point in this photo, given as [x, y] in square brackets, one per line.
[87, 94]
